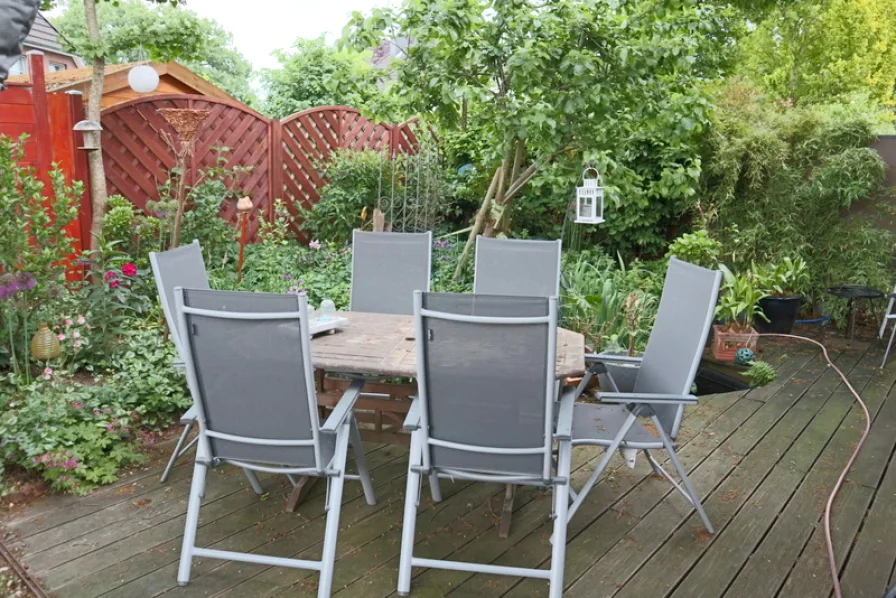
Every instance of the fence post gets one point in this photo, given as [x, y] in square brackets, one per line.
[41, 115]
[275, 167]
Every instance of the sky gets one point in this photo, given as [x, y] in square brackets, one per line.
[261, 26]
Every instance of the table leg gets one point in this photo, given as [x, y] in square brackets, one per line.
[507, 511]
[299, 493]
[852, 321]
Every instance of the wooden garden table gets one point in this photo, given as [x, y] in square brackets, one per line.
[383, 345]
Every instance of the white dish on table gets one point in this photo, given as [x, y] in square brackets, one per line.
[316, 326]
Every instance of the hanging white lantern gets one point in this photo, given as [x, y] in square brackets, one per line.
[143, 78]
[590, 199]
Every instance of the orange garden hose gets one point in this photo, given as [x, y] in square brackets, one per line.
[832, 558]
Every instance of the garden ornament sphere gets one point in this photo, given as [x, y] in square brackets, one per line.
[143, 78]
[743, 356]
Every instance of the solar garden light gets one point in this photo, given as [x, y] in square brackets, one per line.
[143, 78]
[243, 206]
[590, 199]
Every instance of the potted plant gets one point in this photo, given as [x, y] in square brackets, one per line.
[783, 283]
[738, 306]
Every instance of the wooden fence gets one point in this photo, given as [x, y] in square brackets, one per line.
[284, 157]
[47, 119]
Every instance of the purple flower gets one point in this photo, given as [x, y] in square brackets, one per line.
[78, 405]
[286, 276]
[441, 243]
[161, 214]
[25, 281]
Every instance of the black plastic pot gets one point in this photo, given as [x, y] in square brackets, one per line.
[781, 312]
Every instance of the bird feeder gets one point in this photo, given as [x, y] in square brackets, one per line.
[590, 199]
[91, 132]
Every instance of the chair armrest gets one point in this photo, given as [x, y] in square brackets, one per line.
[645, 397]
[565, 413]
[412, 419]
[344, 407]
[596, 358]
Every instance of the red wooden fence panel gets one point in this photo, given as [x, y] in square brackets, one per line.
[138, 158]
[47, 119]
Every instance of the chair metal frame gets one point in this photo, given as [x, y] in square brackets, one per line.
[888, 317]
[418, 423]
[356, 234]
[641, 404]
[341, 423]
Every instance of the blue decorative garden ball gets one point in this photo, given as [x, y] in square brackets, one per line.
[743, 356]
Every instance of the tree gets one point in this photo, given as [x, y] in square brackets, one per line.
[815, 51]
[128, 23]
[313, 74]
[597, 80]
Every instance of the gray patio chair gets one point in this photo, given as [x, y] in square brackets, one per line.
[662, 386]
[517, 267]
[486, 369]
[249, 369]
[180, 267]
[889, 316]
[386, 270]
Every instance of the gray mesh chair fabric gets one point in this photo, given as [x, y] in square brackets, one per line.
[663, 383]
[386, 270]
[486, 379]
[180, 267]
[517, 267]
[248, 365]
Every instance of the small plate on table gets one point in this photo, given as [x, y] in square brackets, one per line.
[316, 326]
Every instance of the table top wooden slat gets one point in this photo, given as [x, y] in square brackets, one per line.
[384, 344]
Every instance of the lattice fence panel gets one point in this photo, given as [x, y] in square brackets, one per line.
[138, 159]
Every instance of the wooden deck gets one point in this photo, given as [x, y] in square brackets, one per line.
[765, 460]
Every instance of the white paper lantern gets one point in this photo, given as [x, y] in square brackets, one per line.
[143, 78]
[590, 199]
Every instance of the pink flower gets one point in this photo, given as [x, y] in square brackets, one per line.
[76, 334]
[81, 321]
[110, 275]
[48, 373]
[77, 343]
[68, 322]
[314, 244]
[114, 284]
[60, 337]
[78, 405]
[129, 270]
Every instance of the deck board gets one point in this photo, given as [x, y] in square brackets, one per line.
[764, 460]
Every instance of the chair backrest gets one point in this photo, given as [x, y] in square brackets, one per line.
[248, 362]
[179, 267]
[386, 270]
[888, 315]
[517, 267]
[486, 369]
[679, 336]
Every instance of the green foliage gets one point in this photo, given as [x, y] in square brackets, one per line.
[613, 306]
[739, 300]
[696, 248]
[761, 373]
[314, 74]
[786, 278]
[619, 83]
[34, 250]
[814, 51]
[133, 30]
[779, 181]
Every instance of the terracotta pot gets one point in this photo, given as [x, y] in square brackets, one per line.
[725, 342]
[44, 344]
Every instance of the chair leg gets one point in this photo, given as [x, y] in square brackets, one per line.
[361, 462]
[602, 465]
[411, 496]
[186, 552]
[253, 481]
[334, 508]
[434, 488]
[682, 474]
[889, 346]
[561, 520]
[178, 451]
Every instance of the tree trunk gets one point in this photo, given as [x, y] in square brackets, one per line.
[95, 157]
